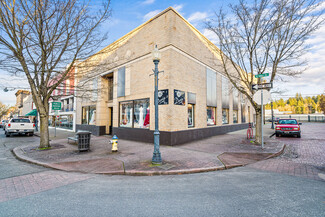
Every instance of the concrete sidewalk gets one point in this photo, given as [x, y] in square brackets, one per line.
[134, 158]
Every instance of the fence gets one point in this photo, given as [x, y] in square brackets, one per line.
[301, 118]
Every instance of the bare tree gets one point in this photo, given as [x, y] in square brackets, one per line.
[266, 36]
[3, 109]
[42, 39]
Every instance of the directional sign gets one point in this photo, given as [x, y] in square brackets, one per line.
[56, 105]
[261, 75]
[262, 86]
[265, 86]
[255, 86]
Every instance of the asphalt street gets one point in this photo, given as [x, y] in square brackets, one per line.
[244, 191]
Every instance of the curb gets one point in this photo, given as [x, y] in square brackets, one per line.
[19, 154]
[278, 153]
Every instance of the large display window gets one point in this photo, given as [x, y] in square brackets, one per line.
[190, 117]
[235, 116]
[211, 116]
[135, 114]
[65, 121]
[225, 116]
[141, 113]
[126, 114]
[89, 115]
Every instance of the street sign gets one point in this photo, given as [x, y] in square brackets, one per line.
[262, 86]
[255, 86]
[266, 97]
[261, 75]
[56, 105]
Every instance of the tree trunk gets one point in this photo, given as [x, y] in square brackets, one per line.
[44, 132]
[258, 138]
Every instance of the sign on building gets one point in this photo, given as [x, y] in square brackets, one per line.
[179, 97]
[163, 97]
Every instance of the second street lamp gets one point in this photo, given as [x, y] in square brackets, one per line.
[156, 158]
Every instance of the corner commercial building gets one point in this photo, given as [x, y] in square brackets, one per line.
[196, 100]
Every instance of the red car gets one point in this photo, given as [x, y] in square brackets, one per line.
[288, 127]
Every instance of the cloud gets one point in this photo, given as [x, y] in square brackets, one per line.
[178, 7]
[148, 2]
[210, 35]
[151, 14]
[13, 84]
[197, 16]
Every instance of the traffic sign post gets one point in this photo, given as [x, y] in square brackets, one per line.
[260, 87]
[262, 98]
[57, 105]
[262, 117]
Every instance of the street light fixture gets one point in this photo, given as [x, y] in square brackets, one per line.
[156, 158]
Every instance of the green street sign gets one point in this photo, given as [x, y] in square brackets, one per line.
[261, 75]
[56, 105]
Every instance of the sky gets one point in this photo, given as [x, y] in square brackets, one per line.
[127, 15]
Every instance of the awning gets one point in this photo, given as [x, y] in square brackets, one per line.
[32, 113]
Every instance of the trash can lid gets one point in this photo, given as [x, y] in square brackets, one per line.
[114, 137]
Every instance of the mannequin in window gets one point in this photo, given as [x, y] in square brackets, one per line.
[141, 117]
[147, 119]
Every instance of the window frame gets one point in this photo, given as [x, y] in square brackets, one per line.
[193, 115]
[227, 110]
[215, 115]
[88, 117]
[133, 107]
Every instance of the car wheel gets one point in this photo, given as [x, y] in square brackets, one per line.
[298, 135]
[31, 134]
[276, 134]
[7, 134]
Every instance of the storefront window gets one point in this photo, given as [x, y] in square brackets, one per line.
[211, 116]
[190, 117]
[65, 121]
[141, 113]
[89, 115]
[126, 114]
[225, 116]
[235, 116]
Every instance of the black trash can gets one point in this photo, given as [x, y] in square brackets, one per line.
[83, 140]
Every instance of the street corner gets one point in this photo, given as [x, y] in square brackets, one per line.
[21, 153]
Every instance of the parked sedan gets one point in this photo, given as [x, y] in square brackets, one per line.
[288, 127]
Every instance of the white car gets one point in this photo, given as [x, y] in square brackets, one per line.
[20, 126]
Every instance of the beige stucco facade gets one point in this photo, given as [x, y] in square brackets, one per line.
[185, 58]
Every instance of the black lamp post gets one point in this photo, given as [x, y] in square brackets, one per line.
[156, 158]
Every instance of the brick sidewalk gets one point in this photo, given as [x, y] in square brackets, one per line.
[303, 157]
[21, 186]
[134, 158]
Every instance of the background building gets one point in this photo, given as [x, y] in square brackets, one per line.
[21, 95]
[64, 93]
